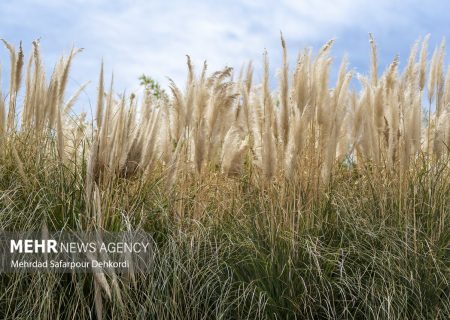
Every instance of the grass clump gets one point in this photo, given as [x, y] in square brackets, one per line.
[312, 202]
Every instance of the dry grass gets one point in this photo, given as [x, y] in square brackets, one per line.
[310, 201]
[304, 128]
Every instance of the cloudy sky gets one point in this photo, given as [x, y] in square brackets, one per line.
[153, 37]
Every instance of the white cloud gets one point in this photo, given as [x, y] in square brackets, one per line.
[153, 37]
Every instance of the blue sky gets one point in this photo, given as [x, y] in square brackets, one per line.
[153, 37]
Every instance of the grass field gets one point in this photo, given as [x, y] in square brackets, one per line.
[308, 201]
